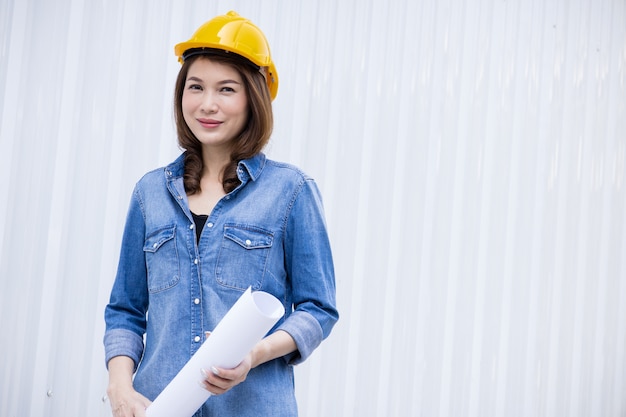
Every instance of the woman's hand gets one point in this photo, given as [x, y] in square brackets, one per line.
[127, 402]
[219, 380]
[124, 400]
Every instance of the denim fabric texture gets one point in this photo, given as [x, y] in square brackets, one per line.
[269, 234]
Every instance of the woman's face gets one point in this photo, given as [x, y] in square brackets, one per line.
[214, 103]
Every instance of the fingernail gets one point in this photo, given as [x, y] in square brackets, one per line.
[201, 385]
[204, 372]
[215, 371]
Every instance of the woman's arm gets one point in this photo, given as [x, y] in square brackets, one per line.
[279, 343]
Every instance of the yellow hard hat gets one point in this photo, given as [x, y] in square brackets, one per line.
[233, 33]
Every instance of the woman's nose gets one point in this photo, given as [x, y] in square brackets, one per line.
[209, 103]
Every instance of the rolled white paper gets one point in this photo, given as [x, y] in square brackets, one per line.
[245, 324]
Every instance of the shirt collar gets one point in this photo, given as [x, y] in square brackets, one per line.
[176, 168]
[253, 166]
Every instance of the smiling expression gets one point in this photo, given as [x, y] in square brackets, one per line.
[214, 103]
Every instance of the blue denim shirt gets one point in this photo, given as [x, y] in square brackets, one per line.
[269, 233]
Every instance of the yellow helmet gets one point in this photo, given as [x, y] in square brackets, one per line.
[233, 33]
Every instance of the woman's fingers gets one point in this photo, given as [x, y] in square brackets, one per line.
[214, 383]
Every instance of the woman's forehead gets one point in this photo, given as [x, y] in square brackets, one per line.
[207, 68]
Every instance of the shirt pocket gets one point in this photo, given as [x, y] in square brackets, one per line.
[162, 259]
[243, 256]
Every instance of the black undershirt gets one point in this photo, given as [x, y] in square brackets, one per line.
[199, 220]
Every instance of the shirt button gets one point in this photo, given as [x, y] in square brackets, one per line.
[155, 245]
[191, 226]
[196, 339]
[196, 301]
[248, 242]
[209, 224]
[195, 261]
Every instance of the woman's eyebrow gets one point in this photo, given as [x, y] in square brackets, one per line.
[229, 82]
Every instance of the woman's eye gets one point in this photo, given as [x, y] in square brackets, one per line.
[227, 90]
[195, 87]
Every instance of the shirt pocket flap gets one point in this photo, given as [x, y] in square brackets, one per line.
[156, 239]
[249, 238]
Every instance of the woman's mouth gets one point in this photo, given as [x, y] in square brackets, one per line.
[209, 123]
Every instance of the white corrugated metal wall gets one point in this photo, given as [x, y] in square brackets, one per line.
[472, 158]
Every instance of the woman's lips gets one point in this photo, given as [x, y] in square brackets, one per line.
[209, 123]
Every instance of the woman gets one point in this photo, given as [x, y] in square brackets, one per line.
[219, 219]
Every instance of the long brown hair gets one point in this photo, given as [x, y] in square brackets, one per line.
[251, 140]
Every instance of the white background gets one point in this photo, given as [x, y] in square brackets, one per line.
[472, 159]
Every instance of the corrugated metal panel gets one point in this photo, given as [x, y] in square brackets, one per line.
[471, 156]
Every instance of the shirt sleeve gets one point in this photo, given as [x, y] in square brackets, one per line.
[125, 315]
[310, 269]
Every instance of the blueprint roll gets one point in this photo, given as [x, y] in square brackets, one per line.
[245, 324]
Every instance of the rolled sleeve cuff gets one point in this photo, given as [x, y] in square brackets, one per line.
[306, 332]
[122, 342]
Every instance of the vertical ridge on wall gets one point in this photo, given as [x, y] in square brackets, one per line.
[14, 32]
[358, 89]
[53, 259]
[396, 50]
